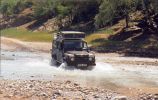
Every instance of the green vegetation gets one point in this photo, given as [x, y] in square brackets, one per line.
[45, 8]
[26, 35]
[93, 37]
[112, 10]
[76, 11]
[101, 12]
[103, 19]
[105, 31]
[11, 7]
[100, 36]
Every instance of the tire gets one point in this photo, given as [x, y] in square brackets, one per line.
[64, 65]
[90, 67]
[54, 62]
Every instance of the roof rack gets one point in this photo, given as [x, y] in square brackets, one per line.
[70, 35]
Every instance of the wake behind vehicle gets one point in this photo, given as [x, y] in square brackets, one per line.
[69, 47]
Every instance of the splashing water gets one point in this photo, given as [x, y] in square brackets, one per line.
[31, 64]
[99, 70]
[35, 66]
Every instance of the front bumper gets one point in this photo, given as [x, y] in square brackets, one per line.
[81, 63]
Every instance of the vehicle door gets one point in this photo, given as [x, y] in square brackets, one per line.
[54, 49]
[60, 53]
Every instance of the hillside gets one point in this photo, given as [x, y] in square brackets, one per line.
[133, 33]
[117, 60]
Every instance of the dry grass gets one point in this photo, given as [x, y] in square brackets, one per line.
[25, 35]
[93, 37]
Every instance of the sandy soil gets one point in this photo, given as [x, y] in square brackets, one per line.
[66, 89]
[17, 45]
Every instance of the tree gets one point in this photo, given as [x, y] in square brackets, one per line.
[81, 10]
[112, 10]
[11, 7]
[45, 8]
[154, 4]
[150, 8]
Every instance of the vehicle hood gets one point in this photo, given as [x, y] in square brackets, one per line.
[79, 53]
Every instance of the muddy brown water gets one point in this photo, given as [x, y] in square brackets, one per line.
[36, 66]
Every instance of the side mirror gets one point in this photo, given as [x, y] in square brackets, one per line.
[89, 49]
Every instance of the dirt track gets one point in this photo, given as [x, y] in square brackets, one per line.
[16, 45]
[130, 77]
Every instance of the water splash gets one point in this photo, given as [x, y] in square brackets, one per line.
[100, 70]
[36, 66]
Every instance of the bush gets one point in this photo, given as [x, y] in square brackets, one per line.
[11, 7]
[112, 10]
[45, 8]
[154, 4]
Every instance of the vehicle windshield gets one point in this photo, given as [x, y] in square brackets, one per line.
[73, 45]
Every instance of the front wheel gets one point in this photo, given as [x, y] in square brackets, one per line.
[90, 67]
[54, 62]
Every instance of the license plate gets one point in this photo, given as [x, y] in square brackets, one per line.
[82, 65]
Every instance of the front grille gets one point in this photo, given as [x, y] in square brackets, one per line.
[83, 59]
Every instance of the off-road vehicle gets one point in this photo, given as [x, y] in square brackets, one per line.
[69, 47]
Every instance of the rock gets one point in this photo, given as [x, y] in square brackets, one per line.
[156, 96]
[1, 92]
[120, 98]
[54, 24]
[57, 93]
[95, 96]
[50, 25]
[68, 82]
[10, 86]
[75, 84]
[44, 95]
[31, 86]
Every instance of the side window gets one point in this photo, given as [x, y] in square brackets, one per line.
[84, 45]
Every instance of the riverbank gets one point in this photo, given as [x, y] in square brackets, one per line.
[17, 45]
[32, 77]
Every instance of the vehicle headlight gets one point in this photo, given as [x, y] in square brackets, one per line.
[72, 59]
[90, 59]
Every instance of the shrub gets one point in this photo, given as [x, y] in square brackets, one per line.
[11, 7]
